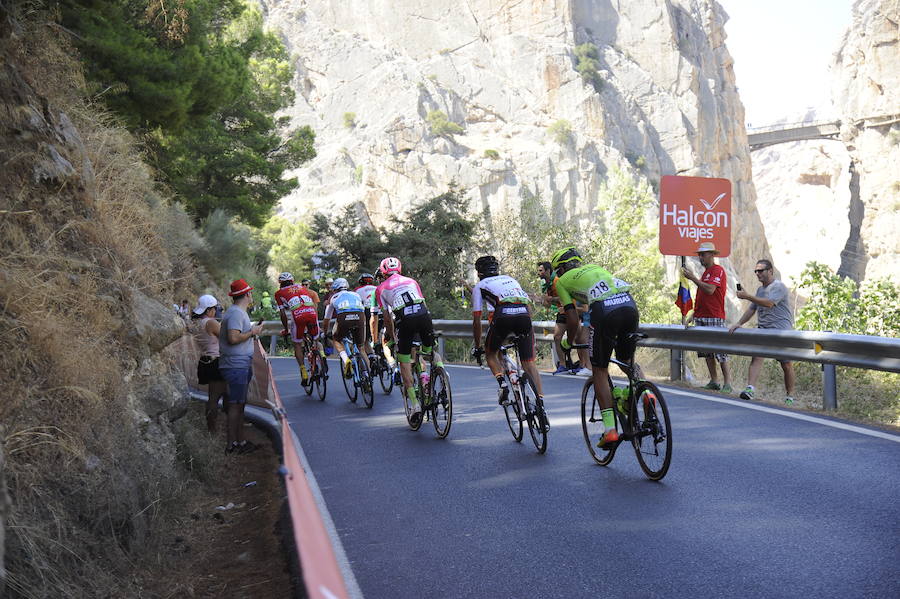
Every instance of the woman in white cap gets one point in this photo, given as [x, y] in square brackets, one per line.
[206, 331]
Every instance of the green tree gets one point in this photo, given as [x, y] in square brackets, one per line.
[587, 65]
[234, 250]
[440, 125]
[290, 246]
[560, 131]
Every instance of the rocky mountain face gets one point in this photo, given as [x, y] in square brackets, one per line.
[528, 113]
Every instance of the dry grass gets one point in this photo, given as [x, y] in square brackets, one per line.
[90, 475]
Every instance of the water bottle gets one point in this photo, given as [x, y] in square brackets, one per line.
[620, 395]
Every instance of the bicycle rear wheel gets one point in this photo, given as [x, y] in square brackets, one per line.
[592, 425]
[441, 403]
[535, 415]
[385, 375]
[321, 369]
[365, 382]
[514, 414]
[652, 438]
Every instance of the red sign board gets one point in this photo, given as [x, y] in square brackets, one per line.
[694, 210]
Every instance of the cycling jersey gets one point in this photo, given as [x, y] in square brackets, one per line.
[296, 300]
[500, 289]
[401, 295]
[588, 284]
[367, 293]
[344, 301]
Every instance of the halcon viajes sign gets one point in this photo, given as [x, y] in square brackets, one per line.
[693, 210]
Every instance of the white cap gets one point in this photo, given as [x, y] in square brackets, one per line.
[205, 303]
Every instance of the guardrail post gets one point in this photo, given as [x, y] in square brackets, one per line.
[829, 386]
[273, 344]
[441, 351]
[676, 357]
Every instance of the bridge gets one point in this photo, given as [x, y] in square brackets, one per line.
[762, 137]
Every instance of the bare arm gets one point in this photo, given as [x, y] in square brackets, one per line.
[759, 301]
[748, 314]
[476, 328]
[212, 327]
[707, 288]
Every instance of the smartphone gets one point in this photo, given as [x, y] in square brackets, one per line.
[260, 321]
[739, 288]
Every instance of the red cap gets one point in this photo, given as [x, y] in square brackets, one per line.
[239, 287]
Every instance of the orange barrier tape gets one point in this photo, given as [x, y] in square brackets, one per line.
[321, 572]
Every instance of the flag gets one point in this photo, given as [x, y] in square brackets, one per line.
[684, 301]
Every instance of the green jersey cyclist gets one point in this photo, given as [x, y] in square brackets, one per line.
[614, 316]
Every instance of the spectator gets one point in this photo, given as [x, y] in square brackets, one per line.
[235, 362]
[205, 329]
[770, 304]
[184, 310]
[548, 298]
[710, 310]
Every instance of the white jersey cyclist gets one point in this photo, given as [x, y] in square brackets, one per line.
[499, 289]
[367, 293]
[342, 302]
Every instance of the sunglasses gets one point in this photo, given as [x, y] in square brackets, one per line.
[757, 271]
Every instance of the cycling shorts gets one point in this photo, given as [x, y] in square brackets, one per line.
[301, 323]
[350, 324]
[368, 324]
[511, 319]
[418, 323]
[612, 320]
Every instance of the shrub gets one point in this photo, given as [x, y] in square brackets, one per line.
[587, 65]
[561, 131]
[492, 154]
[440, 125]
[349, 120]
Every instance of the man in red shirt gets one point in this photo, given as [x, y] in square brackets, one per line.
[710, 310]
[297, 309]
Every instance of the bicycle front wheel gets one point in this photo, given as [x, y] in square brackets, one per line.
[535, 415]
[652, 438]
[385, 375]
[592, 425]
[441, 403]
[514, 413]
[365, 382]
[321, 370]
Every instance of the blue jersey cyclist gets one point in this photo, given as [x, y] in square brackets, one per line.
[614, 316]
[348, 308]
[511, 314]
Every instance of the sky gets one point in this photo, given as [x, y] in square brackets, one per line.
[782, 50]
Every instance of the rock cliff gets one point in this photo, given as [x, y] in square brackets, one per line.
[653, 93]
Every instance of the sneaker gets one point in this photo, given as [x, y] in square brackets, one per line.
[503, 396]
[789, 400]
[726, 388]
[582, 372]
[397, 378]
[561, 368]
[609, 437]
[416, 417]
[247, 447]
[747, 393]
[712, 386]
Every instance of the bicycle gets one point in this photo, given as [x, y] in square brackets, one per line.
[382, 370]
[360, 378]
[435, 395]
[641, 417]
[525, 405]
[316, 368]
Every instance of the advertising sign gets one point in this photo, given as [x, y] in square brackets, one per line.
[694, 210]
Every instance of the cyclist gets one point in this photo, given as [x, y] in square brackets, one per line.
[348, 309]
[509, 305]
[614, 316]
[300, 303]
[366, 291]
[405, 311]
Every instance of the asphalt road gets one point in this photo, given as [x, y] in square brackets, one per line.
[755, 503]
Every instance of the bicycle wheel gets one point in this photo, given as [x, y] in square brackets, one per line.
[310, 380]
[413, 423]
[592, 425]
[535, 415]
[365, 382]
[321, 370]
[652, 438]
[441, 403]
[349, 383]
[385, 375]
[514, 414]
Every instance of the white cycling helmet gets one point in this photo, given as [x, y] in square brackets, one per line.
[285, 276]
[340, 284]
[389, 266]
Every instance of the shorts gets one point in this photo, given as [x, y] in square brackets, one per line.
[561, 318]
[611, 323]
[238, 380]
[208, 370]
[302, 323]
[368, 325]
[349, 324]
[509, 321]
[719, 323]
[417, 322]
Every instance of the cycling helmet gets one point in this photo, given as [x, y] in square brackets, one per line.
[487, 266]
[365, 279]
[285, 276]
[564, 256]
[340, 283]
[389, 266]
